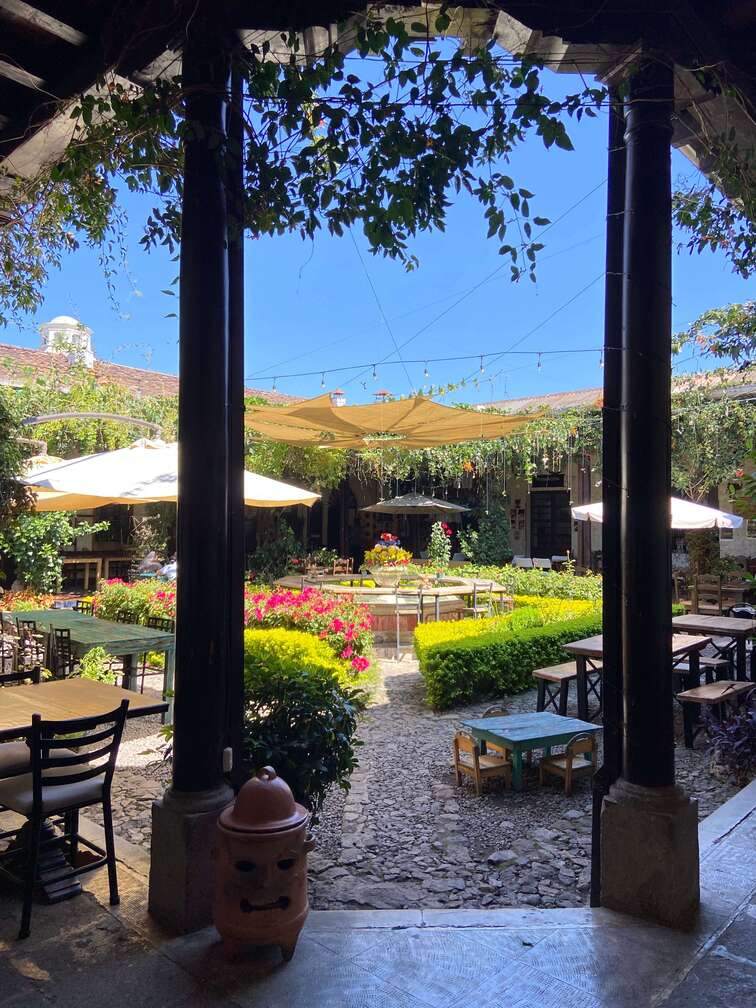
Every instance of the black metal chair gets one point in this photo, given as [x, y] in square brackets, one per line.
[14, 756]
[62, 657]
[64, 779]
[164, 623]
[32, 647]
[87, 608]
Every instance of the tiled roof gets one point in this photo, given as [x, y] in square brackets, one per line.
[16, 361]
[733, 382]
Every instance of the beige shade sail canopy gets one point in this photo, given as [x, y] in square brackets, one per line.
[145, 472]
[408, 423]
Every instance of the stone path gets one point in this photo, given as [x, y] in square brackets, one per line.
[406, 836]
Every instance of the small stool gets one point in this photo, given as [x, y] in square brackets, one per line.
[716, 695]
[554, 686]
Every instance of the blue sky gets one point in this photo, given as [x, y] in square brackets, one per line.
[311, 307]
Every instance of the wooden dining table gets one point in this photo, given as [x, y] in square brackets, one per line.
[65, 699]
[129, 640]
[736, 629]
[590, 651]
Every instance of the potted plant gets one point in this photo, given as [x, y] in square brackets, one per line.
[386, 561]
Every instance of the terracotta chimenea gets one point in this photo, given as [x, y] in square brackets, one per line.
[261, 881]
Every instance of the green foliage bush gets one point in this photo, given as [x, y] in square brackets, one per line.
[523, 581]
[124, 602]
[299, 716]
[489, 543]
[95, 665]
[36, 543]
[273, 557]
[498, 661]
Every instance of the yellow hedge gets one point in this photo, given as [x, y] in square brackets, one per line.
[529, 611]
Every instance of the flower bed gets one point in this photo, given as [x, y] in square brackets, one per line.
[344, 625]
[135, 601]
[13, 601]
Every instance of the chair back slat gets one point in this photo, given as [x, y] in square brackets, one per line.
[21, 676]
[466, 743]
[164, 623]
[578, 744]
[80, 732]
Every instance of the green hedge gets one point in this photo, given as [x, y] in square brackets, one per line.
[501, 661]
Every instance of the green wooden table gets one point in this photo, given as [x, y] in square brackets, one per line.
[127, 639]
[523, 732]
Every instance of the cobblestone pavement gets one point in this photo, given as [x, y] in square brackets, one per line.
[406, 836]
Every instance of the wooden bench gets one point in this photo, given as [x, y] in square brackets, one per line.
[711, 668]
[554, 686]
[715, 695]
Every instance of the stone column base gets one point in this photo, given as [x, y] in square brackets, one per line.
[182, 859]
[649, 854]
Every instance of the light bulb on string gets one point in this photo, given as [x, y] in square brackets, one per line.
[538, 365]
[601, 359]
[322, 380]
[482, 369]
[426, 372]
[273, 389]
[375, 373]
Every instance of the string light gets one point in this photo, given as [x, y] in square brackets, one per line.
[375, 373]
[601, 359]
[482, 369]
[539, 362]
[322, 380]
[426, 372]
[273, 389]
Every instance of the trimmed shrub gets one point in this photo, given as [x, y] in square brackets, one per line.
[498, 661]
[524, 581]
[529, 611]
[299, 716]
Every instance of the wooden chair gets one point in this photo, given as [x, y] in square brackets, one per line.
[706, 595]
[343, 566]
[164, 623]
[87, 608]
[62, 781]
[469, 761]
[554, 686]
[573, 762]
[62, 656]
[495, 747]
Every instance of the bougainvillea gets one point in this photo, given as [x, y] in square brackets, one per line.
[344, 625]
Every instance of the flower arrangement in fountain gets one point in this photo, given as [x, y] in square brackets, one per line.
[387, 552]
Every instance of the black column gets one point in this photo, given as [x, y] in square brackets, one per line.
[611, 680]
[648, 757]
[202, 525]
[236, 557]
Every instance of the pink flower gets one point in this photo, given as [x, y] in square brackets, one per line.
[337, 625]
[347, 652]
[359, 664]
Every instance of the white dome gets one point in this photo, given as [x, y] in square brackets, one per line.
[64, 320]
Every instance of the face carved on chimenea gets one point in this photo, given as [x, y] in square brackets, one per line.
[269, 877]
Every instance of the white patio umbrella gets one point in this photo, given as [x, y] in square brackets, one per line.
[145, 472]
[685, 515]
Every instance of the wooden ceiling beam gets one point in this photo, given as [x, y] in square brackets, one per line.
[40, 20]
